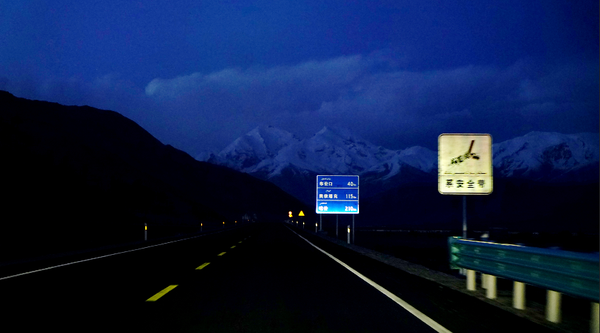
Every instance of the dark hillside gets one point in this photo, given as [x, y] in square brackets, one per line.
[79, 177]
[514, 205]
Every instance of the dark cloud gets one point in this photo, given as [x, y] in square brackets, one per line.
[199, 74]
[369, 95]
[363, 94]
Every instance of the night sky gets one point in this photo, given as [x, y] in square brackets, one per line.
[198, 74]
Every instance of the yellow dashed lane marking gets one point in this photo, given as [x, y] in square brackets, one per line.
[221, 254]
[203, 265]
[161, 293]
[233, 247]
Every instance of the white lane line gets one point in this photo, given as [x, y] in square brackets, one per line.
[90, 259]
[420, 315]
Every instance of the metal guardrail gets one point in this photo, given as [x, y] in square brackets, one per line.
[571, 273]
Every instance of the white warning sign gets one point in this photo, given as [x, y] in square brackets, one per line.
[465, 164]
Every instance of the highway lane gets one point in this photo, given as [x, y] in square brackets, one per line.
[260, 278]
[102, 294]
[455, 310]
[276, 282]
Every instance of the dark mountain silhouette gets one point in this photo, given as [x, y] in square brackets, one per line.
[77, 177]
[515, 205]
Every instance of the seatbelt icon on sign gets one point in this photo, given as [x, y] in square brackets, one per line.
[465, 156]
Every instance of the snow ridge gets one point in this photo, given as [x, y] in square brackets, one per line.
[269, 151]
[544, 155]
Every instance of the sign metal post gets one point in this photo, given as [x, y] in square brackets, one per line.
[321, 221]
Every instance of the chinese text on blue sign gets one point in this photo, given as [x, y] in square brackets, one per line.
[337, 194]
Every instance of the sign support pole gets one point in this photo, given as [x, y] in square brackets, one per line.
[464, 227]
[463, 271]
[336, 225]
[321, 222]
[353, 229]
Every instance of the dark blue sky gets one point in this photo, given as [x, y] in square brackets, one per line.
[198, 74]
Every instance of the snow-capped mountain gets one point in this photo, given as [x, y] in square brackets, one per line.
[276, 155]
[331, 150]
[546, 156]
[269, 150]
[417, 157]
[247, 152]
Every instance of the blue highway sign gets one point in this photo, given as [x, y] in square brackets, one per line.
[337, 194]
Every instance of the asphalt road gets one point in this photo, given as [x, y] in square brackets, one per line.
[257, 278]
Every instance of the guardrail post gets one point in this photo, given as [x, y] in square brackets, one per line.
[595, 320]
[471, 280]
[491, 287]
[519, 295]
[553, 306]
[558, 271]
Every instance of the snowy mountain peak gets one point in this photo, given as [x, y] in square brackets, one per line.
[336, 151]
[546, 156]
[277, 156]
[272, 139]
[269, 153]
[420, 157]
[247, 151]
